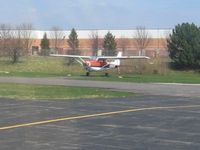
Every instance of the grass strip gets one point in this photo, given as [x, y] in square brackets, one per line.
[28, 91]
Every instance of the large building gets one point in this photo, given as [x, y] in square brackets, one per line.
[127, 41]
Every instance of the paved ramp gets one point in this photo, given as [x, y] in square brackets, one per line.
[132, 123]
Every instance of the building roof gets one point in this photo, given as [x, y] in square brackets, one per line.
[86, 34]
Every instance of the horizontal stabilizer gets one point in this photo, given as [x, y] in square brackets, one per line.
[70, 56]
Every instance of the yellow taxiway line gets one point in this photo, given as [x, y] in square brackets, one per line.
[93, 115]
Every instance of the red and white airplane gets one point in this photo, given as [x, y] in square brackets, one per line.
[100, 63]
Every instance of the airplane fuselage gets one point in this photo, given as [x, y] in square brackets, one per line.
[98, 65]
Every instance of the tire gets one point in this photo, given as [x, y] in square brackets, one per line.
[106, 74]
[87, 74]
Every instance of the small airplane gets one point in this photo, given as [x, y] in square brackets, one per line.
[100, 63]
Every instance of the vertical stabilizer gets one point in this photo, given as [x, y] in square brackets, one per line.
[117, 61]
[119, 54]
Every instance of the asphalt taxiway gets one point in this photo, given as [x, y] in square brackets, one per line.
[163, 116]
[140, 122]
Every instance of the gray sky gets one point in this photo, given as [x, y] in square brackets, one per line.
[100, 14]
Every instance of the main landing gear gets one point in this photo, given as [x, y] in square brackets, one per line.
[106, 74]
[87, 74]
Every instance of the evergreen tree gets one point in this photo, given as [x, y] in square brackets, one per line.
[109, 45]
[184, 46]
[73, 44]
[44, 45]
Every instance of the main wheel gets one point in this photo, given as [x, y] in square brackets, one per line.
[87, 74]
[106, 74]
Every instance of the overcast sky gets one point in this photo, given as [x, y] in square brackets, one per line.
[100, 14]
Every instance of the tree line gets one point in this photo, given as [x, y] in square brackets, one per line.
[16, 41]
[108, 44]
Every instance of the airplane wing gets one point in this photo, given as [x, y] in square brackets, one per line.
[71, 56]
[101, 57]
[123, 57]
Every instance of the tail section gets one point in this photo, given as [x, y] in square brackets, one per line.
[119, 54]
[117, 61]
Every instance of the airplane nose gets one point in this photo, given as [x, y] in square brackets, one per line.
[88, 63]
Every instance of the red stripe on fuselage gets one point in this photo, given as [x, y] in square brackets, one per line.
[95, 63]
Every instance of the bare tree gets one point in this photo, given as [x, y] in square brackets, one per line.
[26, 36]
[165, 39]
[57, 36]
[123, 43]
[5, 39]
[17, 44]
[142, 39]
[162, 45]
[95, 42]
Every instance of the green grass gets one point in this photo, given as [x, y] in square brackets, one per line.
[37, 66]
[153, 70]
[26, 91]
[170, 78]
